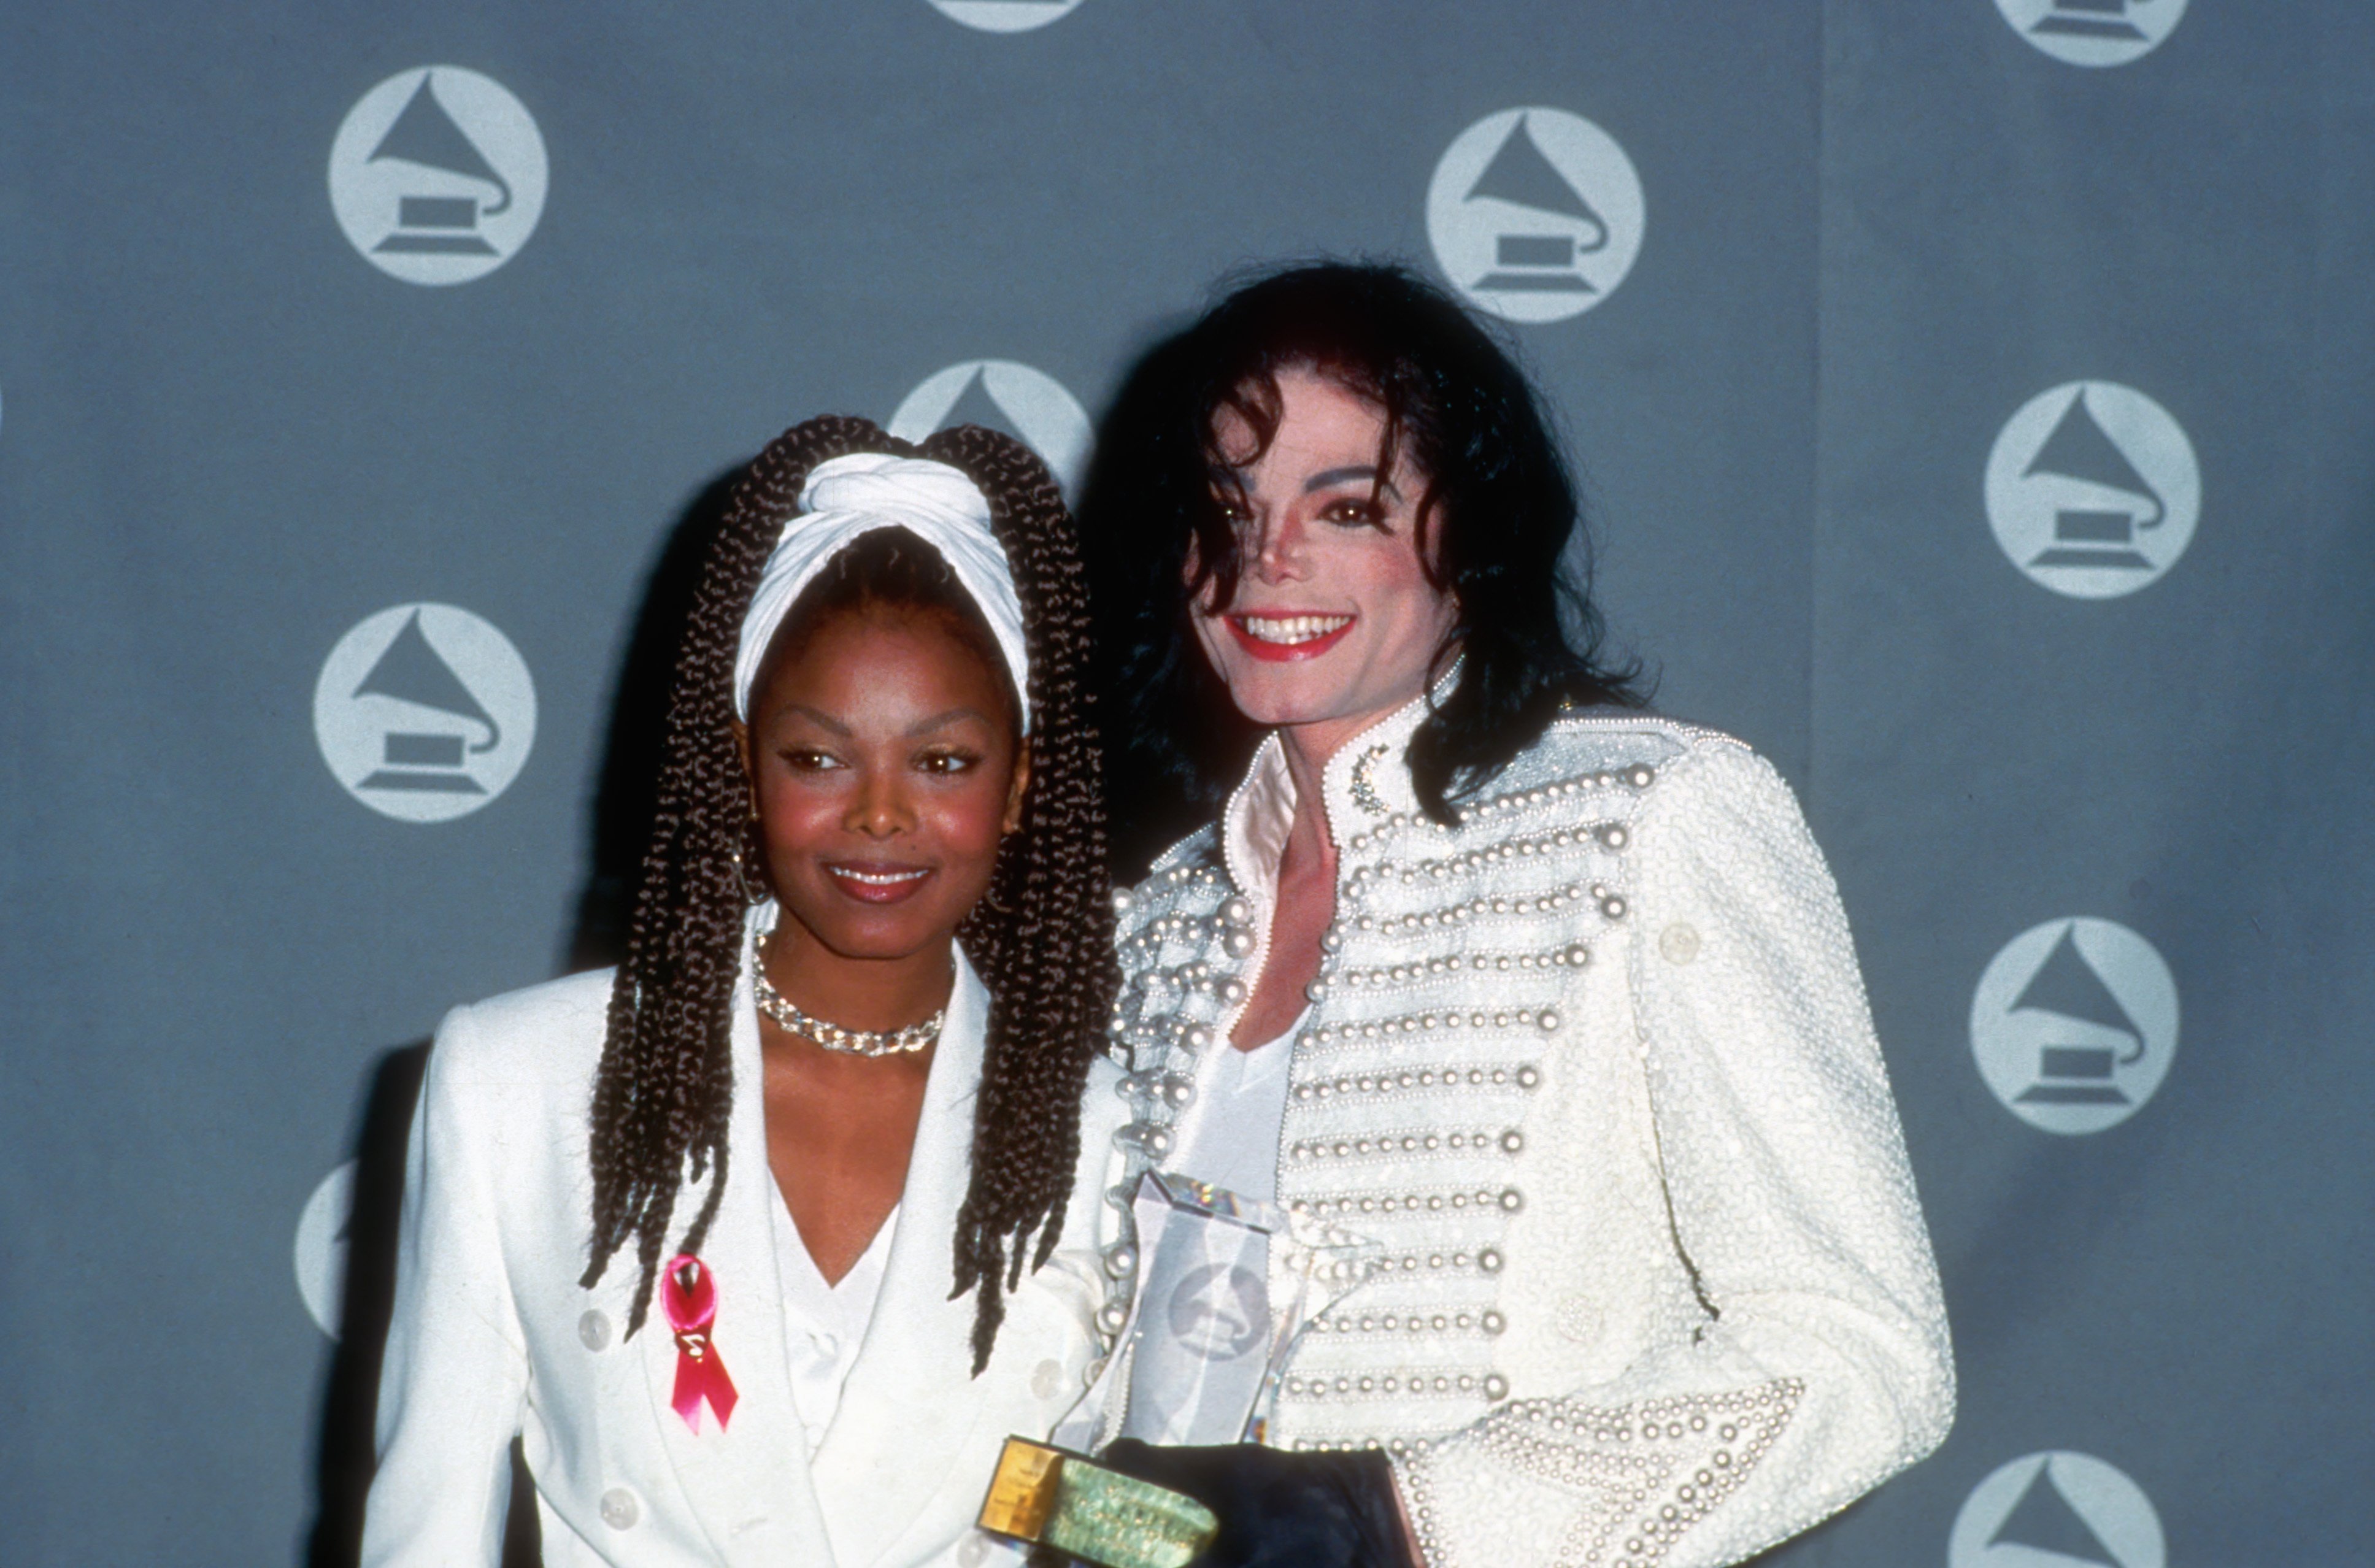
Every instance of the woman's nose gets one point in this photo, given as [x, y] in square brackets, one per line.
[878, 809]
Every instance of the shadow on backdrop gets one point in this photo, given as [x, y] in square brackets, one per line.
[626, 792]
[344, 1447]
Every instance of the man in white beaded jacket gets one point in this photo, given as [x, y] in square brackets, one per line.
[1552, 998]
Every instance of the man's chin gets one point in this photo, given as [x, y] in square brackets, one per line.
[1277, 698]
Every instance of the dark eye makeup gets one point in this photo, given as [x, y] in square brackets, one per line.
[1346, 511]
[1360, 513]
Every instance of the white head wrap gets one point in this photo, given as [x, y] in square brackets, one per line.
[856, 495]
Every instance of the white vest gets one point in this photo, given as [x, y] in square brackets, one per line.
[1596, 1067]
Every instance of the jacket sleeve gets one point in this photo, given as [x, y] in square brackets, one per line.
[454, 1381]
[1818, 1364]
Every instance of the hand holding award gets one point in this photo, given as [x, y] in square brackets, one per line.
[1227, 1286]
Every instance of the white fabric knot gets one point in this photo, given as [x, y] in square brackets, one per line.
[850, 496]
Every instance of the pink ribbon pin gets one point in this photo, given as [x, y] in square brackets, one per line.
[689, 1296]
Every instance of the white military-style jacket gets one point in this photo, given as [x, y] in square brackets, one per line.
[492, 1334]
[1597, 1068]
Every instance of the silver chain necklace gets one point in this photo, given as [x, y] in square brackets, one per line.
[833, 1036]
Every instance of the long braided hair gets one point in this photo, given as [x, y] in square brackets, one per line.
[1041, 938]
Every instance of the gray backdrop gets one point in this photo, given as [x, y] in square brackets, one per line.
[1983, 427]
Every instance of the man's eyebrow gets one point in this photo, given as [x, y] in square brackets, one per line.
[1222, 474]
[1328, 476]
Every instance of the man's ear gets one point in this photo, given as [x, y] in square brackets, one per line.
[1018, 788]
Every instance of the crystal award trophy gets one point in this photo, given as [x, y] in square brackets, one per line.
[1227, 1285]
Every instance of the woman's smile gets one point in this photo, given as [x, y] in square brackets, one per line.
[872, 881]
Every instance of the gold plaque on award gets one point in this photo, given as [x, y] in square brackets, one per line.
[1086, 1511]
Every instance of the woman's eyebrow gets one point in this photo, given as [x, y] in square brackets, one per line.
[938, 721]
[819, 717]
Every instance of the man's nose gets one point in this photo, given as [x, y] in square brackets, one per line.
[1278, 547]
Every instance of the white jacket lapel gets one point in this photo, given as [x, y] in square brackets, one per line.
[749, 1483]
[911, 1398]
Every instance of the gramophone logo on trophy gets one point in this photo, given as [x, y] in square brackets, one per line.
[2073, 1025]
[2094, 32]
[1027, 404]
[1535, 214]
[438, 175]
[424, 713]
[2056, 1510]
[2092, 490]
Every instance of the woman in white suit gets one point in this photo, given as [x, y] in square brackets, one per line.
[831, 1105]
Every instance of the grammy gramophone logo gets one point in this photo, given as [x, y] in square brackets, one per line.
[438, 175]
[319, 1252]
[1535, 214]
[2092, 490]
[2057, 1509]
[2093, 32]
[1005, 16]
[1029, 405]
[424, 713]
[2073, 1024]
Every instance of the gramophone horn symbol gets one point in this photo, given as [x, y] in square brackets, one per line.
[2092, 490]
[1521, 176]
[2060, 1509]
[1006, 395]
[411, 672]
[2073, 1024]
[1535, 214]
[424, 134]
[424, 712]
[2078, 1071]
[2102, 533]
[438, 175]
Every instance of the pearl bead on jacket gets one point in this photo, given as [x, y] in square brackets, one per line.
[1596, 1067]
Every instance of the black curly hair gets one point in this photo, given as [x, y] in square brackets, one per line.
[1041, 938]
[1499, 508]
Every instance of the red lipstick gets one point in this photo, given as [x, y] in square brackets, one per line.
[1283, 653]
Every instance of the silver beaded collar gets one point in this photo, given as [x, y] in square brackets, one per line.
[833, 1036]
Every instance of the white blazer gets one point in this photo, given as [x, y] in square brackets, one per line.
[492, 1334]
